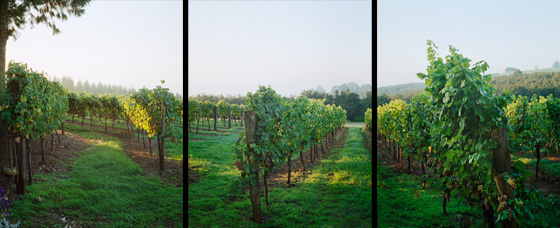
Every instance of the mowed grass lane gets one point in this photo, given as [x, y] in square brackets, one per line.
[104, 189]
[338, 193]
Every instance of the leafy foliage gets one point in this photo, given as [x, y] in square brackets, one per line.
[282, 127]
[35, 106]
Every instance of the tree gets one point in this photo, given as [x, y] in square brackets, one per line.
[15, 14]
[87, 87]
[79, 87]
[67, 82]
[383, 99]
[556, 64]
[320, 89]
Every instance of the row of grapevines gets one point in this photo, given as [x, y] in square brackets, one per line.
[368, 116]
[144, 109]
[455, 119]
[33, 107]
[535, 125]
[198, 110]
[282, 127]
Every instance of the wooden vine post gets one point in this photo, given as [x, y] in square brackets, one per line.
[199, 117]
[242, 116]
[29, 170]
[502, 163]
[20, 151]
[162, 138]
[216, 118]
[229, 117]
[251, 133]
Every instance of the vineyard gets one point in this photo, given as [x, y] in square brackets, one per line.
[35, 108]
[486, 159]
[277, 161]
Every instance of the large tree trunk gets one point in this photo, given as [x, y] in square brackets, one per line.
[3, 43]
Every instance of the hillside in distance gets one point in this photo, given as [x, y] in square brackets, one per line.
[401, 88]
[525, 84]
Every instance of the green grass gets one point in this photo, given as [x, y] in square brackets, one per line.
[321, 200]
[549, 167]
[172, 151]
[119, 124]
[104, 189]
[401, 202]
[398, 206]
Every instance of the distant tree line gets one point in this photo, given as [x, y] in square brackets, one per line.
[240, 100]
[518, 83]
[352, 87]
[349, 101]
[92, 88]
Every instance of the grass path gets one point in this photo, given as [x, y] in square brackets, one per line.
[338, 193]
[402, 202]
[105, 188]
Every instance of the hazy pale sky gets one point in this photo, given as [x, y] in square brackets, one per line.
[235, 46]
[520, 34]
[128, 43]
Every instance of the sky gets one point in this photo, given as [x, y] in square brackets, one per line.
[520, 34]
[235, 46]
[134, 44]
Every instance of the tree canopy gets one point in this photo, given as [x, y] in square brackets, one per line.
[14, 15]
